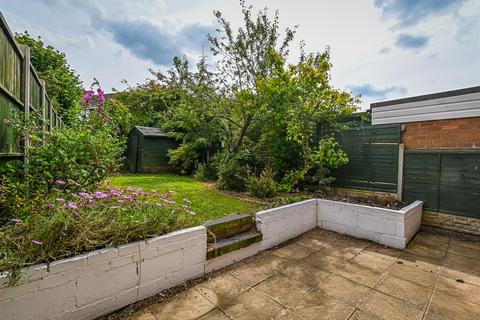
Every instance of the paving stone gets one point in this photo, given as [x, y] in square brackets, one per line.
[390, 308]
[422, 263]
[405, 290]
[382, 251]
[345, 290]
[459, 290]
[283, 290]
[460, 267]
[331, 258]
[425, 251]
[446, 307]
[466, 243]
[221, 289]
[317, 239]
[318, 306]
[189, 304]
[295, 251]
[464, 251]
[144, 314]
[306, 273]
[436, 241]
[286, 315]
[351, 243]
[412, 274]
[360, 315]
[365, 269]
[251, 305]
[215, 314]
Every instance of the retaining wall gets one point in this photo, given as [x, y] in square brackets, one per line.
[97, 283]
[91, 285]
[394, 228]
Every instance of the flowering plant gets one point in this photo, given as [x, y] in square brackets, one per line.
[83, 221]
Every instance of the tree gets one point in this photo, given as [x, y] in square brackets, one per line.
[62, 84]
[243, 59]
[192, 118]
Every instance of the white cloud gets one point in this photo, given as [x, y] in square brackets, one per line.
[360, 34]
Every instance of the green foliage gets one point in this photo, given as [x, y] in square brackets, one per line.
[184, 158]
[81, 155]
[79, 222]
[264, 186]
[62, 84]
[329, 154]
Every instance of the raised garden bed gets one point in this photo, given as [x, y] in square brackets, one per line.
[99, 282]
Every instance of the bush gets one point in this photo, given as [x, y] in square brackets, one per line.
[70, 159]
[263, 186]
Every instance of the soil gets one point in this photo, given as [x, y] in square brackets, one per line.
[382, 201]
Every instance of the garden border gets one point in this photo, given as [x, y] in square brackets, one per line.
[102, 281]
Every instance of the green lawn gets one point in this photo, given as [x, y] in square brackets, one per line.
[207, 202]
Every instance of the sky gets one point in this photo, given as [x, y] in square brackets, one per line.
[381, 49]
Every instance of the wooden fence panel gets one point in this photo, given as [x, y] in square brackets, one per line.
[373, 158]
[447, 181]
[13, 87]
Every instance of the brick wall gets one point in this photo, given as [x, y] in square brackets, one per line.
[442, 134]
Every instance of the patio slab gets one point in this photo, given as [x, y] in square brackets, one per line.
[324, 275]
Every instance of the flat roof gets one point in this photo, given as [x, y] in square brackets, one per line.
[430, 96]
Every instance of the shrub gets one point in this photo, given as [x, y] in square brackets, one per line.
[263, 186]
[70, 159]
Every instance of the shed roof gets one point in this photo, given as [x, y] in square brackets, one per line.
[151, 132]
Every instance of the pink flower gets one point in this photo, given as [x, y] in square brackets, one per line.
[16, 221]
[60, 182]
[49, 205]
[77, 213]
[60, 200]
[106, 117]
[101, 94]
[85, 195]
[88, 96]
[72, 205]
[38, 243]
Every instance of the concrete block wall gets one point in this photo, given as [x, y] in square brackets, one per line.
[283, 223]
[100, 282]
[393, 228]
[94, 284]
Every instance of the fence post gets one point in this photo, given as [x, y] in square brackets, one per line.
[401, 151]
[43, 100]
[26, 93]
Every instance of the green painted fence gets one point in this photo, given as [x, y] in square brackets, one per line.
[21, 90]
[447, 181]
[373, 158]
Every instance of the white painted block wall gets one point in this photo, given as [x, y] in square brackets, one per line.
[394, 228]
[283, 223]
[97, 283]
[94, 284]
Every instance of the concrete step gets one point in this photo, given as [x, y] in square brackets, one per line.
[236, 242]
[223, 228]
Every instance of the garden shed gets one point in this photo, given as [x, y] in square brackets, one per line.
[148, 150]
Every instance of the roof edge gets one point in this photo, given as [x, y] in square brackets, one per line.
[430, 96]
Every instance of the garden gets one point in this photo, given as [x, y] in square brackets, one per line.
[255, 130]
